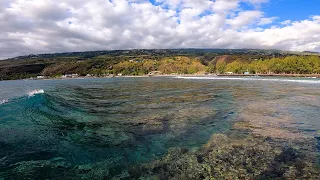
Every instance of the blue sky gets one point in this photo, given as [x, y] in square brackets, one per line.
[49, 26]
[292, 9]
[286, 9]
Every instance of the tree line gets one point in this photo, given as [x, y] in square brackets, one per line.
[176, 65]
[190, 65]
[287, 65]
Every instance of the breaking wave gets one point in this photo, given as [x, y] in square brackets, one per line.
[4, 101]
[34, 92]
[310, 80]
[28, 94]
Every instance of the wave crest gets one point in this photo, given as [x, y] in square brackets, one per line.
[34, 92]
[4, 101]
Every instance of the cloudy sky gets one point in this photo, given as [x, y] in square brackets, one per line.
[46, 26]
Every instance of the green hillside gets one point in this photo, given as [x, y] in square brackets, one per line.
[178, 61]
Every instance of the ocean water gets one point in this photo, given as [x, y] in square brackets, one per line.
[51, 127]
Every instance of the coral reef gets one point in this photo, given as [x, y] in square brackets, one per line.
[231, 157]
[265, 143]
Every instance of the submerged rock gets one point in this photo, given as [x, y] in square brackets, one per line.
[231, 157]
[42, 169]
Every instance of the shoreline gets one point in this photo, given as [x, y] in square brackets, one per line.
[273, 75]
[224, 75]
[213, 75]
[186, 75]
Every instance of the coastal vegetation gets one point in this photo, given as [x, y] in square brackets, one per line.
[143, 62]
[178, 65]
[287, 65]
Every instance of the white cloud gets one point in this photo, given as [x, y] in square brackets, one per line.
[67, 25]
[316, 18]
[225, 6]
[286, 22]
[265, 21]
[245, 18]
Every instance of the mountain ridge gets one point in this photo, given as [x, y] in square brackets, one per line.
[182, 51]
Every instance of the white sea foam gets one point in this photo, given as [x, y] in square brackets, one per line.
[34, 92]
[311, 81]
[4, 101]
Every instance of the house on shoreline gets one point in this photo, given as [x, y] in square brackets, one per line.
[155, 73]
[70, 76]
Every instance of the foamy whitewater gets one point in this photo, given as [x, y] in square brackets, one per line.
[30, 94]
[254, 79]
[34, 92]
[4, 101]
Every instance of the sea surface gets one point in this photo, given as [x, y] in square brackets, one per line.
[48, 126]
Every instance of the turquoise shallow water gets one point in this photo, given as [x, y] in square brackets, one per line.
[126, 121]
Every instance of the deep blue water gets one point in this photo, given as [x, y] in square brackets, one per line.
[127, 121]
